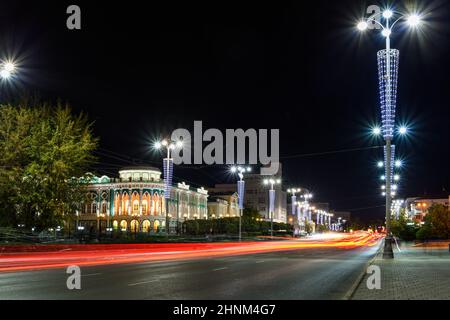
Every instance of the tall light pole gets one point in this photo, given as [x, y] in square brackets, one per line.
[241, 191]
[271, 182]
[293, 191]
[388, 75]
[168, 171]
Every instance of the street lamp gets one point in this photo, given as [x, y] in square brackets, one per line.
[169, 145]
[293, 191]
[241, 191]
[271, 182]
[388, 76]
[7, 69]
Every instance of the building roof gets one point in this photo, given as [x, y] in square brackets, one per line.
[138, 168]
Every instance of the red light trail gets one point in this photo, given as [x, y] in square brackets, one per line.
[22, 258]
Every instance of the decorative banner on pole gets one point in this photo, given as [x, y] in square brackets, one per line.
[168, 174]
[392, 161]
[299, 214]
[241, 188]
[387, 80]
[271, 201]
[293, 200]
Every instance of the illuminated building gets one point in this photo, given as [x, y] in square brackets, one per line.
[135, 202]
[222, 205]
[417, 208]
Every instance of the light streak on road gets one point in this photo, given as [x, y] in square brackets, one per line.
[58, 256]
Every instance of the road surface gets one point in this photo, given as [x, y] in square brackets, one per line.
[309, 273]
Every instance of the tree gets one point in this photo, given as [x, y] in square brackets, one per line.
[438, 219]
[403, 228]
[44, 148]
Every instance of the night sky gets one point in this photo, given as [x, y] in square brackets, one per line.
[143, 68]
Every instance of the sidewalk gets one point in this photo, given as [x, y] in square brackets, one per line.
[416, 273]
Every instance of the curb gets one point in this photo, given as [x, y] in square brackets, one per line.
[352, 290]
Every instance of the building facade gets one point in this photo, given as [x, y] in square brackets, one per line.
[417, 208]
[135, 202]
[222, 205]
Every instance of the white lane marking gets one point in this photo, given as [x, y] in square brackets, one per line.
[90, 274]
[223, 268]
[143, 282]
[260, 261]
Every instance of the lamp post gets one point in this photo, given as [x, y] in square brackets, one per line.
[293, 191]
[306, 208]
[271, 182]
[169, 145]
[241, 191]
[388, 75]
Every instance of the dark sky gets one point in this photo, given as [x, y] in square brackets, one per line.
[143, 68]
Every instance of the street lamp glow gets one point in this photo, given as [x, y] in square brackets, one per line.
[380, 164]
[386, 32]
[382, 177]
[376, 131]
[5, 74]
[398, 163]
[362, 25]
[164, 143]
[403, 130]
[396, 177]
[413, 20]
[9, 66]
[157, 145]
[387, 14]
[233, 169]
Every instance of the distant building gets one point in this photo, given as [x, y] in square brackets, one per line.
[223, 204]
[257, 195]
[417, 207]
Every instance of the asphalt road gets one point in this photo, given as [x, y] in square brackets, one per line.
[298, 274]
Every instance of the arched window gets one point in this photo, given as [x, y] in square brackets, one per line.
[144, 206]
[156, 204]
[115, 224]
[136, 207]
[146, 226]
[156, 227]
[134, 226]
[123, 225]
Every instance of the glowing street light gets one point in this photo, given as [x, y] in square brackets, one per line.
[388, 61]
[398, 163]
[7, 69]
[403, 130]
[414, 20]
[241, 191]
[376, 131]
[380, 164]
[362, 25]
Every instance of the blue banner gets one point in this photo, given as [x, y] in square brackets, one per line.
[168, 174]
[241, 191]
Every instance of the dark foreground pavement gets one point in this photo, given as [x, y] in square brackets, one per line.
[300, 274]
[416, 273]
